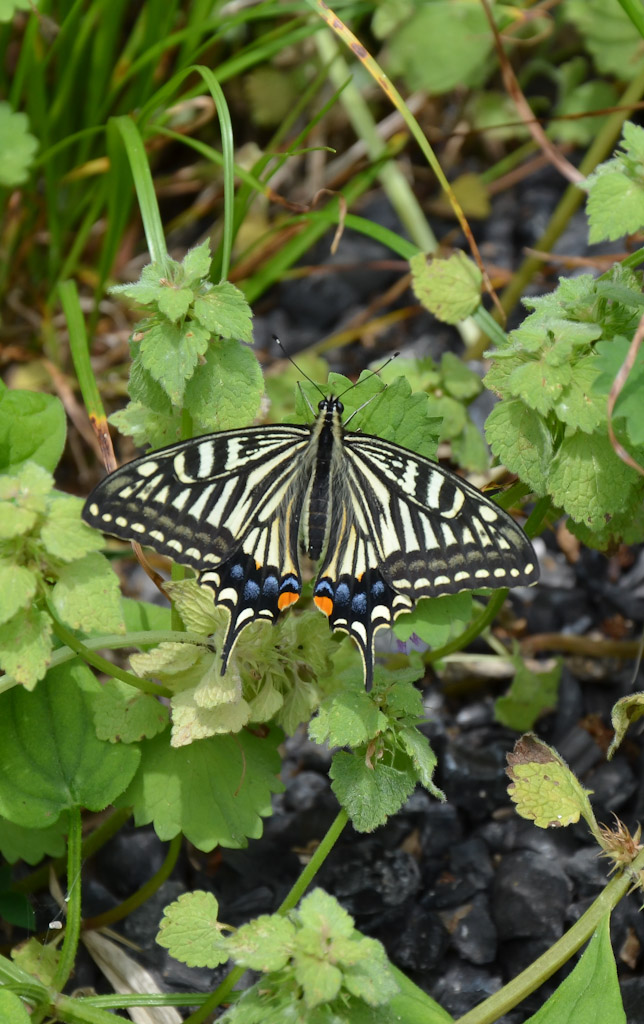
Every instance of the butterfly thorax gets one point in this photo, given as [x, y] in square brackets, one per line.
[325, 446]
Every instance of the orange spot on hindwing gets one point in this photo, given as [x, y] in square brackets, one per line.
[286, 599]
[325, 604]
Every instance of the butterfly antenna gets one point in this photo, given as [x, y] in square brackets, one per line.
[374, 373]
[298, 368]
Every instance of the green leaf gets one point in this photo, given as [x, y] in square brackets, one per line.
[87, 595]
[422, 757]
[32, 844]
[196, 263]
[25, 646]
[436, 619]
[615, 206]
[225, 391]
[347, 719]
[369, 794]
[223, 311]
[175, 302]
[64, 534]
[52, 758]
[32, 426]
[458, 379]
[590, 993]
[443, 45]
[170, 354]
[610, 357]
[189, 928]
[17, 587]
[265, 944]
[578, 406]
[174, 788]
[543, 788]
[396, 415]
[625, 711]
[146, 426]
[39, 960]
[469, 449]
[609, 34]
[520, 439]
[12, 1009]
[449, 288]
[17, 147]
[530, 694]
[124, 714]
[538, 384]
[589, 481]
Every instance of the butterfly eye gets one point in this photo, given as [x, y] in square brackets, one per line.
[339, 406]
[322, 404]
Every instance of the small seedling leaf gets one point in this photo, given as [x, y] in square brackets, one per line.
[190, 930]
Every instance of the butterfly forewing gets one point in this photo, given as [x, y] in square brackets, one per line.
[391, 526]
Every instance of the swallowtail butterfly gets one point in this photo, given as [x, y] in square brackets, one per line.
[389, 526]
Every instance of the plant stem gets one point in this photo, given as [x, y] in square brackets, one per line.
[73, 902]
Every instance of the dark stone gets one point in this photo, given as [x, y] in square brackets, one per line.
[129, 860]
[440, 829]
[461, 987]
[473, 776]
[475, 936]
[531, 894]
[415, 939]
[633, 998]
[471, 860]
[366, 878]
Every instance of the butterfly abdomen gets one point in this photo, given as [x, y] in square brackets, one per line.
[324, 440]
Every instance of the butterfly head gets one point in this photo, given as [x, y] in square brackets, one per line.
[331, 405]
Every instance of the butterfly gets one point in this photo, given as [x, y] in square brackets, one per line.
[387, 525]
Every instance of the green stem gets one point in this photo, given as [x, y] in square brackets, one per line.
[73, 902]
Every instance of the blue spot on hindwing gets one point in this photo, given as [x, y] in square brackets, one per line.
[378, 589]
[237, 572]
[270, 586]
[342, 594]
[251, 591]
[292, 584]
[323, 589]
[359, 603]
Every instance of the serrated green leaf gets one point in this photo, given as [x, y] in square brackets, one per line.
[369, 794]
[52, 760]
[615, 206]
[543, 787]
[590, 993]
[192, 720]
[32, 844]
[87, 595]
[174, 788]
[265, 944]
[530, 694]
[589, 481]
[32, 427]
[225, 391]
[223, 311]
[18, 149]
[578, 405]
[539, 385]
[63, 533]
[436, 619]
[423, 759]
[146, 426]
[610, 357]
[123, 714]
[347, 719]
[320, 980]
[175, 302]
[15, 521]
[520, 439]
[449, 288]
[17, 587]
[195, 606]
[25, 646]
[170, 354]
[189, 928]
[195, 265]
